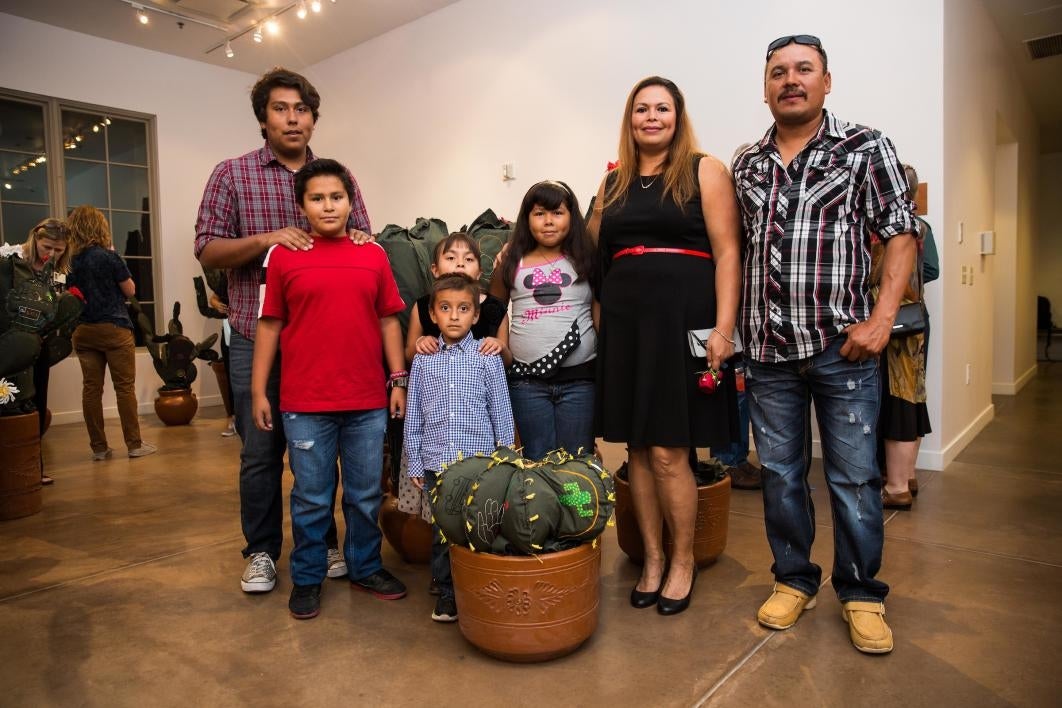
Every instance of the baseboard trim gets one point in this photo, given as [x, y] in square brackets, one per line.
[1013, 388]
[111, 412]
[950, 451]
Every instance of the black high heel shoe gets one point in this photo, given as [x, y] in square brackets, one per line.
[641, 600]
[667, 606]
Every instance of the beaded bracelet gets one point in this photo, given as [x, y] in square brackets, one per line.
[398, 375]
[728, 339]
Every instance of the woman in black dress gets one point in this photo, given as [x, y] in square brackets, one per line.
[667, 226]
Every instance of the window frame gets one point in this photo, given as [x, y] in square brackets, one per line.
[53, 108]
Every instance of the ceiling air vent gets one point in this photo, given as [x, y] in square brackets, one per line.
[1043, 47]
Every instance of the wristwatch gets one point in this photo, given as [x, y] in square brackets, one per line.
[400, 382]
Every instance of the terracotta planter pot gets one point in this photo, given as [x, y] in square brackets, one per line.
[527, 609]
[176, 406]
[408, 534]
[709, 533]
[20, 466]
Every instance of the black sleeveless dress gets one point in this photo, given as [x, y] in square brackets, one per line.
[647, 390]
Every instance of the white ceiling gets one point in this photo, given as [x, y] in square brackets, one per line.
[1018, 20]
[340, 25]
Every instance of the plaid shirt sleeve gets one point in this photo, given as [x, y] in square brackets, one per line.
[414, 425]
[359, 215]
[499, 407]
[217, 212]
[889, 211]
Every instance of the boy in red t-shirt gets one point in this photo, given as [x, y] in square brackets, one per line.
[330, 309]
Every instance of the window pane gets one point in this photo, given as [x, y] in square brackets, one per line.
[83, 135]
[24, 179]
[132, 234]
[149, 310]
[129, 188]
[19, 219]
[140, 269]
[86, 183]
[21, 127]
[127, 141]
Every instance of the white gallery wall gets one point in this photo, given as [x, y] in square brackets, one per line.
[203, 115]
[991, 135]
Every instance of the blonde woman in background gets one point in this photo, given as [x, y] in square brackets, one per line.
[104, 336]
[49, 241]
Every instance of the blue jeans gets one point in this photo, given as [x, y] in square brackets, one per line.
[261, 456]
[846, 396]
[440, 551]
[315, 441]
[553, 415]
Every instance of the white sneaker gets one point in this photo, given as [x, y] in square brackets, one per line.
[229, 431]
[102, 455]
[260, 575]
[144, 450]
[337, 564]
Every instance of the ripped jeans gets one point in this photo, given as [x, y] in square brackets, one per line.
[315, 440]
[846, 396]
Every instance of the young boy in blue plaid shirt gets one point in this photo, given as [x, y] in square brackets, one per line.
[458, 402]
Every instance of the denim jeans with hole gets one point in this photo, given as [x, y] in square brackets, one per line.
[315, 440]
[553, 415]
[846, 396]
[261, 456]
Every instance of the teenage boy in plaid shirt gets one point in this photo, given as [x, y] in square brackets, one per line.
[458, 402]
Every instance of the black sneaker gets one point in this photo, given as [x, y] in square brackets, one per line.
[305, 601]
[382, 585]
[445, 610]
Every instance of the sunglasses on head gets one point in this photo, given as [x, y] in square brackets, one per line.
[808, 40]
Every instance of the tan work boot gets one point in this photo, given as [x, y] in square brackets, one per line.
[866, 625]
[783, 607]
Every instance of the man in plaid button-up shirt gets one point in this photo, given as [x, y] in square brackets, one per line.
[812, 192]
[249, 206]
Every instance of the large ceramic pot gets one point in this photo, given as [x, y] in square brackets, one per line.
[709, 533]
[176, 406]
[408, 534]
[20, 466]
[527, 609]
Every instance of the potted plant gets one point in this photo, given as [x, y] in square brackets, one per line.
[174, 357]
[713, 515]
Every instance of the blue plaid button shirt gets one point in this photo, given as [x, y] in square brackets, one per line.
[458, 401]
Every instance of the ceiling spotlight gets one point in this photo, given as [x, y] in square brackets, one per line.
[272, 26]
[228, 50]
[142, 16]
[301, 12]
[315, 5]
[96, 128]
[106, 121]
[41, 158]
[257, 36]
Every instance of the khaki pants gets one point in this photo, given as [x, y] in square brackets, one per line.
[99, 346]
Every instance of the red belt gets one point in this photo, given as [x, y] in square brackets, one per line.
[639, 250]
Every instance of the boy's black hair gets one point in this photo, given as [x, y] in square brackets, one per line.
[323, 166]
[456, 237]
[455, 281]
[279, 77]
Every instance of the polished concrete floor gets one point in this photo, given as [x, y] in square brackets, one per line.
[124, 591]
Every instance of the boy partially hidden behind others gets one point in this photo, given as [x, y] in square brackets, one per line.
[458, 403]
[331, 311]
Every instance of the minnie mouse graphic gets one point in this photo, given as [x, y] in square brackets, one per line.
[546, 287]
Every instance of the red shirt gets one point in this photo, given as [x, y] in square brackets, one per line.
[331, 299]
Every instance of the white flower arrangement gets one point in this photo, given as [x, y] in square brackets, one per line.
[10, 249]
[8, 391]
